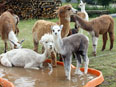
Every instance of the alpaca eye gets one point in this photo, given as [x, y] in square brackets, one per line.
[69, 8]
[53, 30]
[46, 42]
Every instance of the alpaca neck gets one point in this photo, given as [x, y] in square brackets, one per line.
[83, 24]
[12, 37]
[65, 21]
[58, 44]
[42, 57]
[86, 15]
[83, 9]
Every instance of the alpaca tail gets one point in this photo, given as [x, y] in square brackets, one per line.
[111, 33]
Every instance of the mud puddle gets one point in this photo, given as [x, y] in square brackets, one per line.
[21, 77]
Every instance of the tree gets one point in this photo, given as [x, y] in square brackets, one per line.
[104, 2]
[68, 0]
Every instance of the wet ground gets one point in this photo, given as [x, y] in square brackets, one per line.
[41, 78]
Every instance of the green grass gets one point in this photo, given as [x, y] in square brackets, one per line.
[105, 63]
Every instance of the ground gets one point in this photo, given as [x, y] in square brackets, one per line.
[105, 61]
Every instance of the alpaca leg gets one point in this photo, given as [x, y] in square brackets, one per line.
[67, 65]
[35, 46]
[78, 60]
[30, 66]
[94, 41]
[111, 39]
[104, 41]
[53, 59]
[6, 46]
[86, 63]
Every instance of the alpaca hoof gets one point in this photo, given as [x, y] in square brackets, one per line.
[54, 66]
[102, 49]
[68, 78]
[78, 72]
[94, 53]
[110, 49]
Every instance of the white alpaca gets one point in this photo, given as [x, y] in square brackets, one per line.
[82, 6]
[28, 58]
[76, 43]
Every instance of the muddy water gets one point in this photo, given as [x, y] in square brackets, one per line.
[40, 78]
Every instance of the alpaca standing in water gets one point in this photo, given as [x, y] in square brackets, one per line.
[77, 44]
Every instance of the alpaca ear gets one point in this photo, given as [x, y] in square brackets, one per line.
[21, 41]
[41, 42]
[12, 42]
[51, 27]
[84, 3]
[81, 1]
[61, 26]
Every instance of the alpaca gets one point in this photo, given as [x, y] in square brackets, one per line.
[73, 31]
[28, 58]
[76, 29]
[82, 6]
[41, 26]
[76, 43]
[8, 28]
[100, 25]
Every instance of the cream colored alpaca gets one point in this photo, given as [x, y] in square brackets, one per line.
[28, 58]
[82, 6]
[41, 26]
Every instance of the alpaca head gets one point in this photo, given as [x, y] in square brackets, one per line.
[16, 45]
[56, 30]
[66, 10]
[47, 42]
[82, 5]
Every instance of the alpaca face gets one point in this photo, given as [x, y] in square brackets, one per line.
[47, 42]
[16, 45]
[56, 30]
[82, 5]
[67, 10]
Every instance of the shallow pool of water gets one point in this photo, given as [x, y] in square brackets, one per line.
[21, 77]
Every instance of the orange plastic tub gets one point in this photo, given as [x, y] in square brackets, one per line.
[94, 82]
[5, 83]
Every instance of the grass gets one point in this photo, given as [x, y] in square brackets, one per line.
[105, 63]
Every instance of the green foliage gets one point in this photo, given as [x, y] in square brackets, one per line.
[104, 2]
[68, 0]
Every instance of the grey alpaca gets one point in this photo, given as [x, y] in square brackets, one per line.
[76, 43]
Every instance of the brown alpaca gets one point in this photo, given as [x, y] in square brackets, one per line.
[100, 25]
[76, 29]
[41, 26]
[8, 23]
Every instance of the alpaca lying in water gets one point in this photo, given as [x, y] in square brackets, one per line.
[28, 58]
